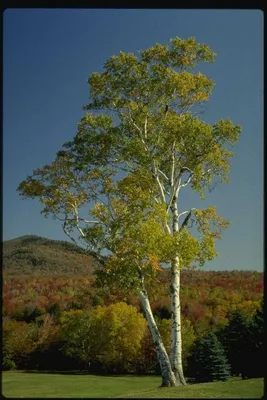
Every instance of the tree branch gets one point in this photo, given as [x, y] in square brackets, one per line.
[187, 218]
[162, 173]
[100, 259]
[174, 191]
[146, 127]
[161, 189]
[176, 186]
[186, 212]
[154, 171]
[183, 213]
[173, 163]
[183, 169]
[187, 181]
[64, 226]
[141, 277]
[90, 222]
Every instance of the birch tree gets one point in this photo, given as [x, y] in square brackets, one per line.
[140, 143]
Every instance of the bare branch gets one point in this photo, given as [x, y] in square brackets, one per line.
[206, 172]
[146, 127]
[81, 231]
[167, 228]
[155, 173]
[183, 169]
[161, 189]
[186, 212]
[174, 191]
[139, 130]
[59, 219]
[137, 127]
[173, 163]
[90, 222]
[133, 122]
[187, 181]
[162, 173]
[100, 259]
[76, 215]
[185, 223]
[64, 226]
[183, 213]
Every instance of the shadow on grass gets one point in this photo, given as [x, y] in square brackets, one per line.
[77, 372]
[95, 373]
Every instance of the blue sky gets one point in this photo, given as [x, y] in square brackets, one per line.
[47, 57]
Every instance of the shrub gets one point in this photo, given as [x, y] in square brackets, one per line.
[109, 336]
[19, 341]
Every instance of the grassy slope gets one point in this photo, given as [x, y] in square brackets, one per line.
[19, 384]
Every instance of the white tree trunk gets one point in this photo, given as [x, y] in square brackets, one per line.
[176, 331]
[176, 337]
[168, 377]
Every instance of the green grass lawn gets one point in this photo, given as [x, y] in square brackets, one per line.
[22, 384]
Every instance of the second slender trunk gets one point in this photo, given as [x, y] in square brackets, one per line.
[168, 377]
[176, 335]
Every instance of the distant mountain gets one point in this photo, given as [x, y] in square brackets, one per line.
[34, 255]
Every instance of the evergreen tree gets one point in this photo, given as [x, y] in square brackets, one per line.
[236, 338]
[257, 343]
[208, 362]
[243, 342]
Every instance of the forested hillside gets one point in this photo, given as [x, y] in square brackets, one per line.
[33, 255]
[44, 303]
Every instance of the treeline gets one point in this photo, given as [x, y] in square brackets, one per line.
[115, 339]
[68, 323]
[206, 297]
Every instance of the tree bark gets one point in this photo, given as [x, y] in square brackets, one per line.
[176, 332]
[176, 337]
[168, 377]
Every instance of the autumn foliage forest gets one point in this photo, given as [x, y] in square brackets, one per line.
[55, 317]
